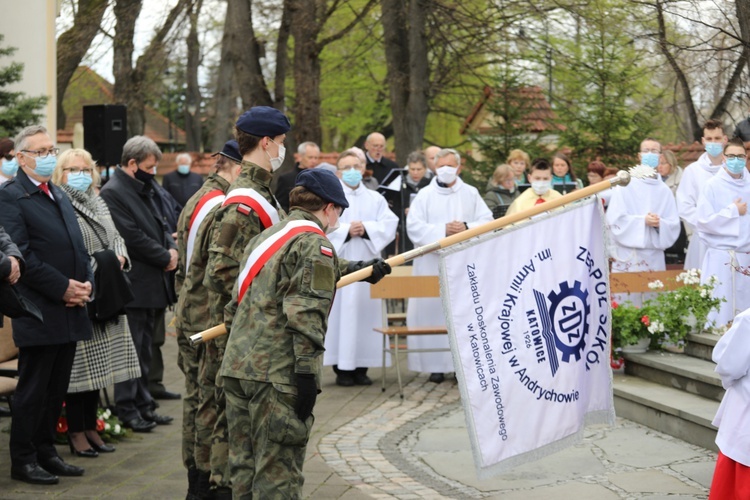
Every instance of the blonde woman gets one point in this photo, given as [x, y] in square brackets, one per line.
[670, 172]
[109, 357]
[520, 161]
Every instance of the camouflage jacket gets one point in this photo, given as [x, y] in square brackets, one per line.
[278, 329]
[191, 312]
[233, 227]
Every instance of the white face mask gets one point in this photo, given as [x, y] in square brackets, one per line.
[541, 187]
[332, 227]
[276, 162]
[447, 174]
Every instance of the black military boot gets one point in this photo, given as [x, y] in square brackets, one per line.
[192, 474]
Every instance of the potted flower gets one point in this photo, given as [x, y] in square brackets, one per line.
[685, 309]
[633, 327]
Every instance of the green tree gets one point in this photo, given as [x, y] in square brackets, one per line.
[16, 109]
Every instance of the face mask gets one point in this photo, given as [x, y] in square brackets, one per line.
[650, 159]
[735, 165]
[111, 172]
[45, 166]
[352, 177]
[9, 167]
[714, 148]
[276, 162]
[80, 181]
[183, 169]
[541, 187]
[446, 174]
[332, 227]
[143, 176]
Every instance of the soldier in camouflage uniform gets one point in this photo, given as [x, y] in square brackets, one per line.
[277, 322]
[191, 313]
[248, 209]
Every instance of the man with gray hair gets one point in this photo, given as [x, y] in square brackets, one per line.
[182, 183]
[446, 206]
[153, 253]
[308, 156]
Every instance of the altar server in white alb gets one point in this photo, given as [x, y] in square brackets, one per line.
[732, 358]
[643, 220]
[446, 206]
[724, 227]
[367, 226]
[694, 179]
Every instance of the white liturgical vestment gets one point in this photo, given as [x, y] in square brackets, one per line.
[432, 208]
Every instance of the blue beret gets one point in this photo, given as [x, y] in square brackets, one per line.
[263, 121]
[323, 183]
[231, 150]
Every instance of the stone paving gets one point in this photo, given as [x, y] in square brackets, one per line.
[371, 444]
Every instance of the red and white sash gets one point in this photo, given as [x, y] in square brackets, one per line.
[265, 251]
[207, 202]
[255, 201]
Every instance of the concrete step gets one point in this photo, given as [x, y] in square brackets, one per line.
[701, 345]
[677, 371]
[671, 411]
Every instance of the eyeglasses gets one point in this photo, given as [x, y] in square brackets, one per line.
[43, 153]
[737, 157]
[652, 150]
[75, 170]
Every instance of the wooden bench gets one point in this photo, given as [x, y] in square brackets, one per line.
[403, 286]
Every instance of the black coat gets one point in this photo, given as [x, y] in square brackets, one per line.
[182, 187]
[284, 186]
[47, 234]
[131, 205]
[381, 168]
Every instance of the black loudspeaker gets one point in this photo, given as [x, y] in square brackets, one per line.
[105, 130]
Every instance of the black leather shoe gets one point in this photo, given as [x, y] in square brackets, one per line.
[56, 465]
[437, 377]
[152, 416]
[165, 394]
[362, 379]
[137, 424]
[344, 379]
[33, 474]
[104, 448]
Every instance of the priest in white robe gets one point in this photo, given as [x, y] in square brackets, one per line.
[724, 227]
[643, 221]
[367, 227]
[694, 179]
[446, 206]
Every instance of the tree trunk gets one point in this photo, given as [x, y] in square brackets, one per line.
[193, 129]
[305, 28]
[404, 23]
[244, 52]
[282, 57]
[73, 45]
[126, 14]
[223, 100]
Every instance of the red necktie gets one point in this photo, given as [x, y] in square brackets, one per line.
[44, 187]
[538, 201]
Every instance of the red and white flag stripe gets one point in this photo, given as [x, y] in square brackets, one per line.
[265, 251]
[207, 202]
[250, 197]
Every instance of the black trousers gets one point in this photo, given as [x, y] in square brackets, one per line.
[132, 397]
[43, 377]
[158, 335]
[80, 408]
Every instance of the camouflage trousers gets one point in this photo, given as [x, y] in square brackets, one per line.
[187, 360]
[267, 441]
[211, 419]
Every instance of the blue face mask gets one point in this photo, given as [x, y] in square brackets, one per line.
[714, 148]
[650, 159]
[111, 172]
[352, 177]
[10, 167]
[45, 166]
[183, 169]
[736, 165]
[80, 181]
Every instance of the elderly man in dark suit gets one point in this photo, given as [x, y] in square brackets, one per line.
[153, 253]
[57, 278]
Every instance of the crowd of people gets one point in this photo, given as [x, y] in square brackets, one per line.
[103, 255]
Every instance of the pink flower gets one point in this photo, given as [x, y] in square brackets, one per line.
[645, 320]
[615, 305]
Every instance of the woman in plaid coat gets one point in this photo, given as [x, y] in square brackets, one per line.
[110, 356]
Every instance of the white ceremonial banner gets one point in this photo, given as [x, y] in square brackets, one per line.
[527, 311]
